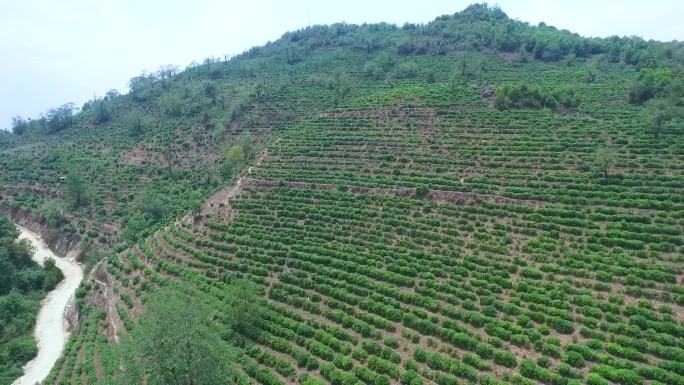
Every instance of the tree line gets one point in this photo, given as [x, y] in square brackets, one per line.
[478, 27]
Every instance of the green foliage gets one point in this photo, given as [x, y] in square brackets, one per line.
[524, 95]
[243, 306]
[663, 110]
[381, 64]
[154, 207]
[481, 27]
[136, 227]
[136, 123]
[661, 82]
[19, 125]
[170, 103]
[508, 241]
[59, 118]
[53, 211]
[174, 343]
[604, 160]
[235, 155]
[142, 87]
[340, 84]
[406, 71]
[17, 270]
[101, 110]
[76, 188]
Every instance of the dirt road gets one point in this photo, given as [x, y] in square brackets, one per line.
[51, 327]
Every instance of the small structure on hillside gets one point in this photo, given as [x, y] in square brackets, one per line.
[488, 92]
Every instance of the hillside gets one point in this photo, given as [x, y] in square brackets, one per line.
[474, 200]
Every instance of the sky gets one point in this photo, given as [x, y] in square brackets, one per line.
[54, 52]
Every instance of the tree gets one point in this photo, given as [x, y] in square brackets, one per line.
[8, 271]
[340, 84]
[235, 154]
[136, 124]
[242, 304]
[103, 112]
[663, 111]
[373, 70]
[210, 90]
[135, 228]
[660, 116]
[605, 160]
[246, 141]
[76, 189]
[170, 103]
[591, 75]
[381, 64]
[154, 207]
[524, 95]
[59, 118]
[284, 82]
[176, 342]
[455, 80]
[291, 54]
[19, 125]
[53, 211]
[523, 55]
[658, 83]
[111, 95]
[462, 66]
[169, 156]
[141, 87]
[166, 72]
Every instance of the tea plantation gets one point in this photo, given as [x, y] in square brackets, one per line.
[401, 226]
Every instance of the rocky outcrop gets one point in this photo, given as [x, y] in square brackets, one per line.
[72, 315]
[62, 244]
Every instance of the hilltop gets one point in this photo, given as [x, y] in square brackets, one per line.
[473, 200]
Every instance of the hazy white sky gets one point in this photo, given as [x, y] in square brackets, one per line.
[55, 52]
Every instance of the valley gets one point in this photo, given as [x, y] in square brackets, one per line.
[51, 329]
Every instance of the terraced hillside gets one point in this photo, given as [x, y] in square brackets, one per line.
[441, 245]
[536, 273]
[405, 231]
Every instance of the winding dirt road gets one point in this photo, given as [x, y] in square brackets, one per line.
[51, 328]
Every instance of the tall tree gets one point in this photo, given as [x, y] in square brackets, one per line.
[59, 118]
[176, 343]
[662, 111]
[19, 125]
[605, 160]
[169, 156]
[136, 124]
[76, 189]
[247, 142]
[102, 110]
[235, 155]
[463, 66]
[242, 304]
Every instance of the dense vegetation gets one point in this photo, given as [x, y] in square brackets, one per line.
[178, 342]
[402, 229]
[525, 95]
[22, 285]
